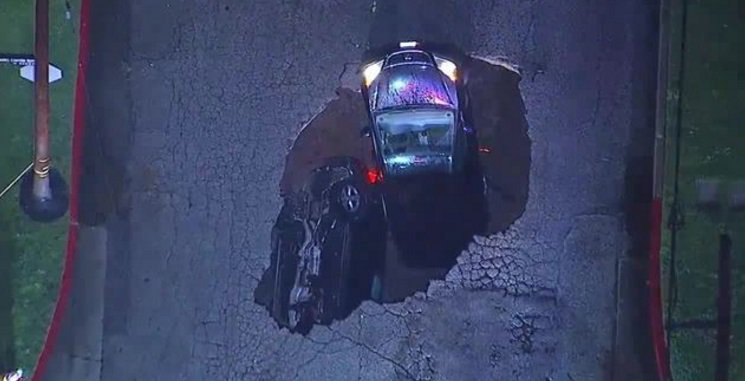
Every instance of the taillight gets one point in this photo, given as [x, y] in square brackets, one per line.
[373, 176]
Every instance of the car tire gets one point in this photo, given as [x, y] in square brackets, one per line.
[349, 199]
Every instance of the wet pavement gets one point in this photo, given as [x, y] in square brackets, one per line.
[198, 103]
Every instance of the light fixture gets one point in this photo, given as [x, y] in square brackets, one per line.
[447, 67]
[371, 71]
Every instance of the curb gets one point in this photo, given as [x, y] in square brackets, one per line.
[656, 311]
[79, 109]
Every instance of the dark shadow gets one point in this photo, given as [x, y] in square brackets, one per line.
[108, 123]
[444, 21]
[633, 354]
[497, 114]
[107, 142]
[430, 218]
[433, 218]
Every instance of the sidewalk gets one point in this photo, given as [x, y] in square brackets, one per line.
[76, 354]
[704, 141]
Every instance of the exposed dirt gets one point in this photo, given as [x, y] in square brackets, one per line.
[335, 131]
[498, 115]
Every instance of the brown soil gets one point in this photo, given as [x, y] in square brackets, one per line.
[499, 120]
[333, 132]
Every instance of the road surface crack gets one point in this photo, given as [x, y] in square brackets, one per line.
[377, 353]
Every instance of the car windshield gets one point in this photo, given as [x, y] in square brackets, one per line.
[415, 132]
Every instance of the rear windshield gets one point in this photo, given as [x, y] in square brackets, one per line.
[408, 57]
[416, 132]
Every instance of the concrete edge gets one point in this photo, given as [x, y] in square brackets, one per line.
[654, 281]
[78, 350]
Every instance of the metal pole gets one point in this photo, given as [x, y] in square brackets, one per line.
[42, 162]
[724, 309]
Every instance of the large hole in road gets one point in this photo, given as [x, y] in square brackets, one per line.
[336, 244]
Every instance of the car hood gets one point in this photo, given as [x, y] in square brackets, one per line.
[409, 85]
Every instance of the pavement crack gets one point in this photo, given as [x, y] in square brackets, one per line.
[375, 352]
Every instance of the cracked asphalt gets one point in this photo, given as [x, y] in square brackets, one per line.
[195, 104]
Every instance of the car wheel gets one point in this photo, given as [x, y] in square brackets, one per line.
[349, 199]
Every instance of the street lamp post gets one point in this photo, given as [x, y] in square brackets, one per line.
[44, 196]
[710, 195]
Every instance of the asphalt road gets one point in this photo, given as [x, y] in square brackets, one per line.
[195, 104]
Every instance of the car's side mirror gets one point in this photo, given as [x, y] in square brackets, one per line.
[365, 131]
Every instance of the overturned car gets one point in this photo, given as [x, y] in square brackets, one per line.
[326, 246]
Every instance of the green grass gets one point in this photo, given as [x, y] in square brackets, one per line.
[713, 145]
[31, 253]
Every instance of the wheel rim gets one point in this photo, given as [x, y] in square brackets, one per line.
[350, 198]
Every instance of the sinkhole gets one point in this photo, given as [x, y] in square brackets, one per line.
[347, 233]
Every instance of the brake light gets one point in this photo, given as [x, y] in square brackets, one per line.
[373, 176]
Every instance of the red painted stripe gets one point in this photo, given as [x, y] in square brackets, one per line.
[656, 316]
[63, 295]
